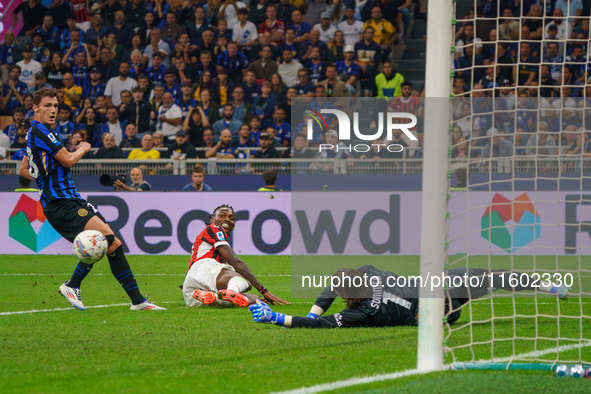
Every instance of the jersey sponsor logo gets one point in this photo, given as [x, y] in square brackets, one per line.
[82, 212]
[220, 236]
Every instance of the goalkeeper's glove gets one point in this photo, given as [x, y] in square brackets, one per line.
[261, 313]
[312, 316]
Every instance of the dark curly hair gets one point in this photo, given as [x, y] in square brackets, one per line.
[221, 206]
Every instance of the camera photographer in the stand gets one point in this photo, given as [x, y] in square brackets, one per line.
[138, 184]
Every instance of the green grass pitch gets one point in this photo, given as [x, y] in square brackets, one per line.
[110, 349]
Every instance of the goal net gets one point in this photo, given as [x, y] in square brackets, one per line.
[520, 181]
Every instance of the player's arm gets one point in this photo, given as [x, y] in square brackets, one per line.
[240, 266]
[24, 169]
[68, 159]
[262, 313]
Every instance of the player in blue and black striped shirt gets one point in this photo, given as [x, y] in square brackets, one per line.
[48, 162]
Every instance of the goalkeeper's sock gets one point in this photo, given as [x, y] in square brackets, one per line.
[80, 272]
[122, 272]
[238, 284]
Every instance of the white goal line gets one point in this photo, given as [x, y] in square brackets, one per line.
[411, 372]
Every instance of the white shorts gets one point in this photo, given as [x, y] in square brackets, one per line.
[202, 275]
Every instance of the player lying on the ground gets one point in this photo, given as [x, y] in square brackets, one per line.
[48, 163]
[216, 274]
[379, 305]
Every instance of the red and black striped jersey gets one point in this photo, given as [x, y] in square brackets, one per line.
[206, 243]
[405, 104]
[80, 10]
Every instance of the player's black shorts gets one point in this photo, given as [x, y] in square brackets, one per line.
[68, 216]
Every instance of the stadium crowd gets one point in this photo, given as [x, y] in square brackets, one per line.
[187, 71]
[219, 75]
[522, 85]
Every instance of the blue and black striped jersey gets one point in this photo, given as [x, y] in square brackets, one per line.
[53, 179]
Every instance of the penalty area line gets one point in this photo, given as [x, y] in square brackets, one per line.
[70, 308]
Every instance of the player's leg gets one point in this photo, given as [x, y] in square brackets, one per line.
[120, 266]
[231, 285]
[201, 287]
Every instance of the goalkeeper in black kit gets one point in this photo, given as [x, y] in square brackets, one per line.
[375, 303]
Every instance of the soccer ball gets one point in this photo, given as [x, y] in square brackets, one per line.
[577, 371]
[562, 371]
[90, 246]
[588, 372]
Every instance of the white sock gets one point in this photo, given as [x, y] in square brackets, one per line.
[238, 284]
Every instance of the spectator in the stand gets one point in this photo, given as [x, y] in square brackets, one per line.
[315, 66]
[28, 66]
[50, 33]
[18, 116]
[170, 117]
[241, 107]
[157, 45]
[289, 68]
[108, 67]
[170, 85]
[325, 28]
[313, 42]
[41, 52]
[226, 123]
[208, 139]
[560, 25]
[130, 140]
[267, 150]
[223, 149]
[40, 82]
[197, 181]
[257, 13]
[264, 105]
[138, 183]
[333, 85]
[569, 80]
[399, 140]
[541, 143]
[234, 61]
[4, 144]
[281, 126]
[220, 93]
[578, 56]
[21, 138]
[181, 148]
[270, 178]
[207, 44]
[172, 31]
[134, 12]
[116, 85]
[109, 149]
[385, 33]
[28, 106]
[305, 88]
[288, 43]
[186, 102]
[244, 139]
[252, 90]
[468, 64]
[197, 26]
[155, 72]
[509, 27]
[32, 13]
[368, 56]
[195, 124]
[139, 112]
[94, 86]
[547, 83]
[97, 31]
[571, 9]
[147, 150]
[302, 29]
[89, 124]
[265, 66]
[72, 93]
[14, 91]
[284, 11]
[497, 146]
[112, 126]
[77, 137]
[377, 152]
[351, 26]
[466, 37]
[535, 23]
[527, 70]
[273, 26]
[389, 82]
[64, 126]
[7, 55]
[245, 32]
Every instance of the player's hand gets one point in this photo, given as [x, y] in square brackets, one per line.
[85, 146]
[274, 300]
[261, 313]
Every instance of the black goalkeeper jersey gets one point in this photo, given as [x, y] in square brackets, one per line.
[389, 306]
